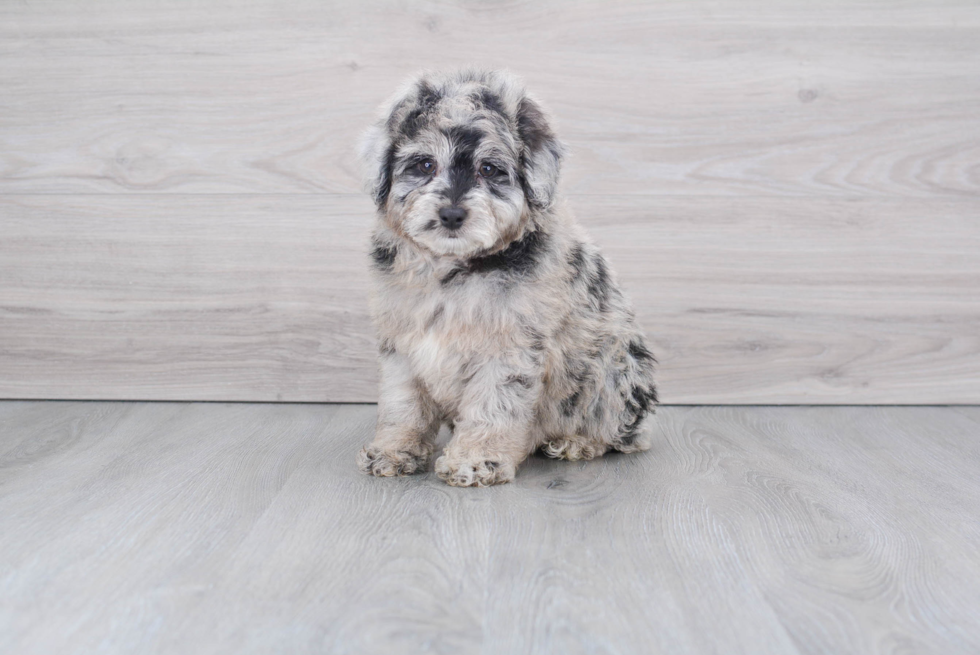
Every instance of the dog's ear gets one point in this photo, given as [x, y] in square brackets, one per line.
[377, 154]
[401, 116]
[540, 156]
[378, 145]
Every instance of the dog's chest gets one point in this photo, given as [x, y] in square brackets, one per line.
[447, 336]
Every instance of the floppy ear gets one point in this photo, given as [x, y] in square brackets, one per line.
[379, 144]
[377, 154]
[540, 156]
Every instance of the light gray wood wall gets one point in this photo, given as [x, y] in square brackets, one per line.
[789, 191]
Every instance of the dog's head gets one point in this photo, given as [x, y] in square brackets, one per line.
[460, 163]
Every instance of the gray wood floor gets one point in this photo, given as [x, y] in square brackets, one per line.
[244, 528]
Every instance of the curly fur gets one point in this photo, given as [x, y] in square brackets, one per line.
[512, 327]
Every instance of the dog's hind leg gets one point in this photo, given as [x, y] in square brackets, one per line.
[574, 448]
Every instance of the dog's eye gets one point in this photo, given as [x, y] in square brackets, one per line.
[488, 170]
[427, 166]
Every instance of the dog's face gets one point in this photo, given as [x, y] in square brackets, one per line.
[459, 164]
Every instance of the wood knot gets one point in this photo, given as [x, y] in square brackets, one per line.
[807, 96]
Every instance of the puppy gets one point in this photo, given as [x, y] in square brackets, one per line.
[494, 311]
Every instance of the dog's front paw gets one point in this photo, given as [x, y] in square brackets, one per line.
[387, 463]
[473, 471]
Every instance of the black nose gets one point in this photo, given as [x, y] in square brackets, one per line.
[452, 217]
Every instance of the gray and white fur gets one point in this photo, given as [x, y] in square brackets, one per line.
[495, 313]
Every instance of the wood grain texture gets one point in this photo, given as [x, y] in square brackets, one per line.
[700, 98]
[789, 192]
[210, 528]
[264, 297]
[186, 297]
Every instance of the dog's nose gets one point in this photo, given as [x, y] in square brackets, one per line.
[452, 217]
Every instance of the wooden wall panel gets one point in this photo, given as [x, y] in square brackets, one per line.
[264, 297]
[790, 192]
[689, 97]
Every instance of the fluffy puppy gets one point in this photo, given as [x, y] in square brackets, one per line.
[494, 312]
